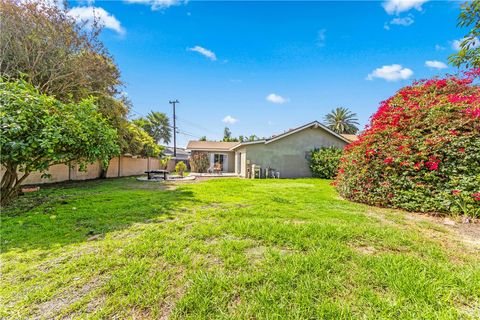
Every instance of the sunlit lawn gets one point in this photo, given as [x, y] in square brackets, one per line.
[227, 248]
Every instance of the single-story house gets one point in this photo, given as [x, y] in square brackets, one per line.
[286, 153]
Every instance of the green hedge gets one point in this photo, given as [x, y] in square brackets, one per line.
[324, 162]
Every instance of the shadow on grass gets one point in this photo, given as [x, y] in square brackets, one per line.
[74, 212]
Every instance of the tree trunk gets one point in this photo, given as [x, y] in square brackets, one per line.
[104, 170]
[10, 185]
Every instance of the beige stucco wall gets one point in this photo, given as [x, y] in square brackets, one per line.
[288, 155]
[128, 167]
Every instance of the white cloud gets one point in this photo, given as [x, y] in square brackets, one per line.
[399, 6]
[435, 64]
[158, 4]
[402, 21]
[205, 52]
[456, 44]
[321, 37]
[392, 72]
[275, 98]
[229, 119]
[439, 47]
[90, 14]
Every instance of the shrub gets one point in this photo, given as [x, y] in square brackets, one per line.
[324, 162]
[199, 162]
[180, 167]
[164, 162]
[420, 152]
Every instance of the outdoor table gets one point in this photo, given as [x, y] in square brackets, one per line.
[150, 173]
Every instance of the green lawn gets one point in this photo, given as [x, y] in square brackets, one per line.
[227, 249]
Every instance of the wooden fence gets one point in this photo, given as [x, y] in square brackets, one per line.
[119, 167]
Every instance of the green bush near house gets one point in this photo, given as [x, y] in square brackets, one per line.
[324, 162]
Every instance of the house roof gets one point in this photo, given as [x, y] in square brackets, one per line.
[181, 152]
[211, 145]
[350, 137]
[314, 124]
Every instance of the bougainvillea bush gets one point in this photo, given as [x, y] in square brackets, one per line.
[420, 152]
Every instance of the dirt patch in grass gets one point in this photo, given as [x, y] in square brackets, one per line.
[49, 309]
[295, 221]
[150, 185]
[256, 254]
[367, 250]
[434, 227]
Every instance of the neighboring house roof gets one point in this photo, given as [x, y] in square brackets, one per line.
[350, 137]
[314, 124]
[211, 145]
[182, 153]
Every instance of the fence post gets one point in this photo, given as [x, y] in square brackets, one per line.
[119, 167]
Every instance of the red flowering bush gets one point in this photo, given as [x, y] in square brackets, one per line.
[420, 152]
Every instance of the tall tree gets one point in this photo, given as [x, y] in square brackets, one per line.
[469, 53]
[38, 131]
[342, 120]
[41, 43]
[227, 134]
[157, 125]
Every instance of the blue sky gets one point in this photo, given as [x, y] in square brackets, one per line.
[264, 67]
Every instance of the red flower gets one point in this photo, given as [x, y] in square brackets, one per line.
[461, 150]
[456, 192]
[472, 112]
[418, 165]
[476, 196]
[431, 165]
[388, 160]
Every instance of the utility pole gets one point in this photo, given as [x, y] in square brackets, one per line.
[174, 128]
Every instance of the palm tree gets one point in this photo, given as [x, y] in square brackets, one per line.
[342, 120]
[157, 125]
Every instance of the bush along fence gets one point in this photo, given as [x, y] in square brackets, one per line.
[122, 166]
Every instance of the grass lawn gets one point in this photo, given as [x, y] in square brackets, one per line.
[228, 249]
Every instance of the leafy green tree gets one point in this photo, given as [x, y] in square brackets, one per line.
[38, 131]
[342, 120]
[157, 125]
[203, 138]
[42, 44]
[141, 143]
[469, 53]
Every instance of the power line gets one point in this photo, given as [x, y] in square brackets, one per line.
[197, 126]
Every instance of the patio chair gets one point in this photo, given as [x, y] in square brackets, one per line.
[217, 168]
